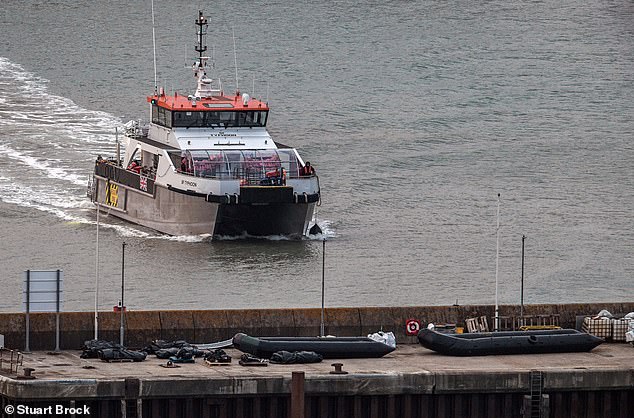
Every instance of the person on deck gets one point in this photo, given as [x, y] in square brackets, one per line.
[307, 170]
[185, 165]
[134, 166]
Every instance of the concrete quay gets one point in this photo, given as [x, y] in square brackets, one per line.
[410, 382]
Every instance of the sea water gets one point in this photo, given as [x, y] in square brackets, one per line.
[416, 114]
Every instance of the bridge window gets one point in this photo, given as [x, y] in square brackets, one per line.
[218, 119]
[161, 116]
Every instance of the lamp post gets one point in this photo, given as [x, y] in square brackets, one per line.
[522, 287]
[323, 286]
[497, 263]
[97, 277]
[122, 308]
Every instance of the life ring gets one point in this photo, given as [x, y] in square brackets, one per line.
[412, 326]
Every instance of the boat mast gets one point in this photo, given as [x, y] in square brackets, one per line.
[201, 22]
[200, 66]
[154, 46]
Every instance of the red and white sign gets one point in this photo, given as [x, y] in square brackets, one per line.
[412, 326]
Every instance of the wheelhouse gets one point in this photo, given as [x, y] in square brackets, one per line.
[209, 112]
[208, 118]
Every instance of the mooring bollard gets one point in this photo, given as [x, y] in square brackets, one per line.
[297, 395]
[338, 369]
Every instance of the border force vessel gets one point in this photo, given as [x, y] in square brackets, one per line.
[206, 164]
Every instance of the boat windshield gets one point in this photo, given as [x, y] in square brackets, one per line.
[208, 119]
[251, 167]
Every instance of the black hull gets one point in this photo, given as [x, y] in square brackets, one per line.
[287, 219]
[519, 342]
[330, 348]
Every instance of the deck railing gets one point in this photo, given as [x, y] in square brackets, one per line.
[128, 178]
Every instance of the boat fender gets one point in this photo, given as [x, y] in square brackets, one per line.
[295, 196]
[228, 198]
[237, 197]
[305, 197]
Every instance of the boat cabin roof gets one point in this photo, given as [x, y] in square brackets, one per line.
[215, 103]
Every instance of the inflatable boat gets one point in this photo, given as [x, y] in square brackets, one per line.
[512, 342]
[328, 347]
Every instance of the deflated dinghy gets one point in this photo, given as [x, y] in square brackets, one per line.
[512, 342]
[327, 347]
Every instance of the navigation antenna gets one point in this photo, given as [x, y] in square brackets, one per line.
[235, 58]
[154, 44]
[205, 88]
[201, 22]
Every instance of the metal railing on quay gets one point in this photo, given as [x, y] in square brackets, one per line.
[11, 358]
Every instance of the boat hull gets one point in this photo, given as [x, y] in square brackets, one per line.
[520, 342]
[290, 220]
[327, 347]
[176, 212]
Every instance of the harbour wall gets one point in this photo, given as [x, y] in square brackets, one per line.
[203, 326]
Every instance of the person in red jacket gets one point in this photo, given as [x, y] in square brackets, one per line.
[307, 170]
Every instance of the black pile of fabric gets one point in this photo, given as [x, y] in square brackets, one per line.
[218, 356]
[180, 349]
[295, 357]
[91, 348]
[108, 350]
[157, 345]
[109, 354]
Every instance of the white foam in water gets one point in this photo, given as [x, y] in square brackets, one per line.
[12, 192]
[46, 166]
[19, 196]
[183, 238]
[327, 231]
[31, 107]
[123, 230]
[31, 177]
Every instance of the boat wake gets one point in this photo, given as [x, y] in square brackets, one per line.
[47, 144]
[184, 238]
[47, 149]
[50, 168]
[327, 230]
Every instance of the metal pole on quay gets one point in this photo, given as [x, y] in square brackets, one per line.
[323, 287]
[122, 307]
[497, 263]
[522, 287]
[97, 276]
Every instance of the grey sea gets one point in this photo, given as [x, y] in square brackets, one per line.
[416, 115]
